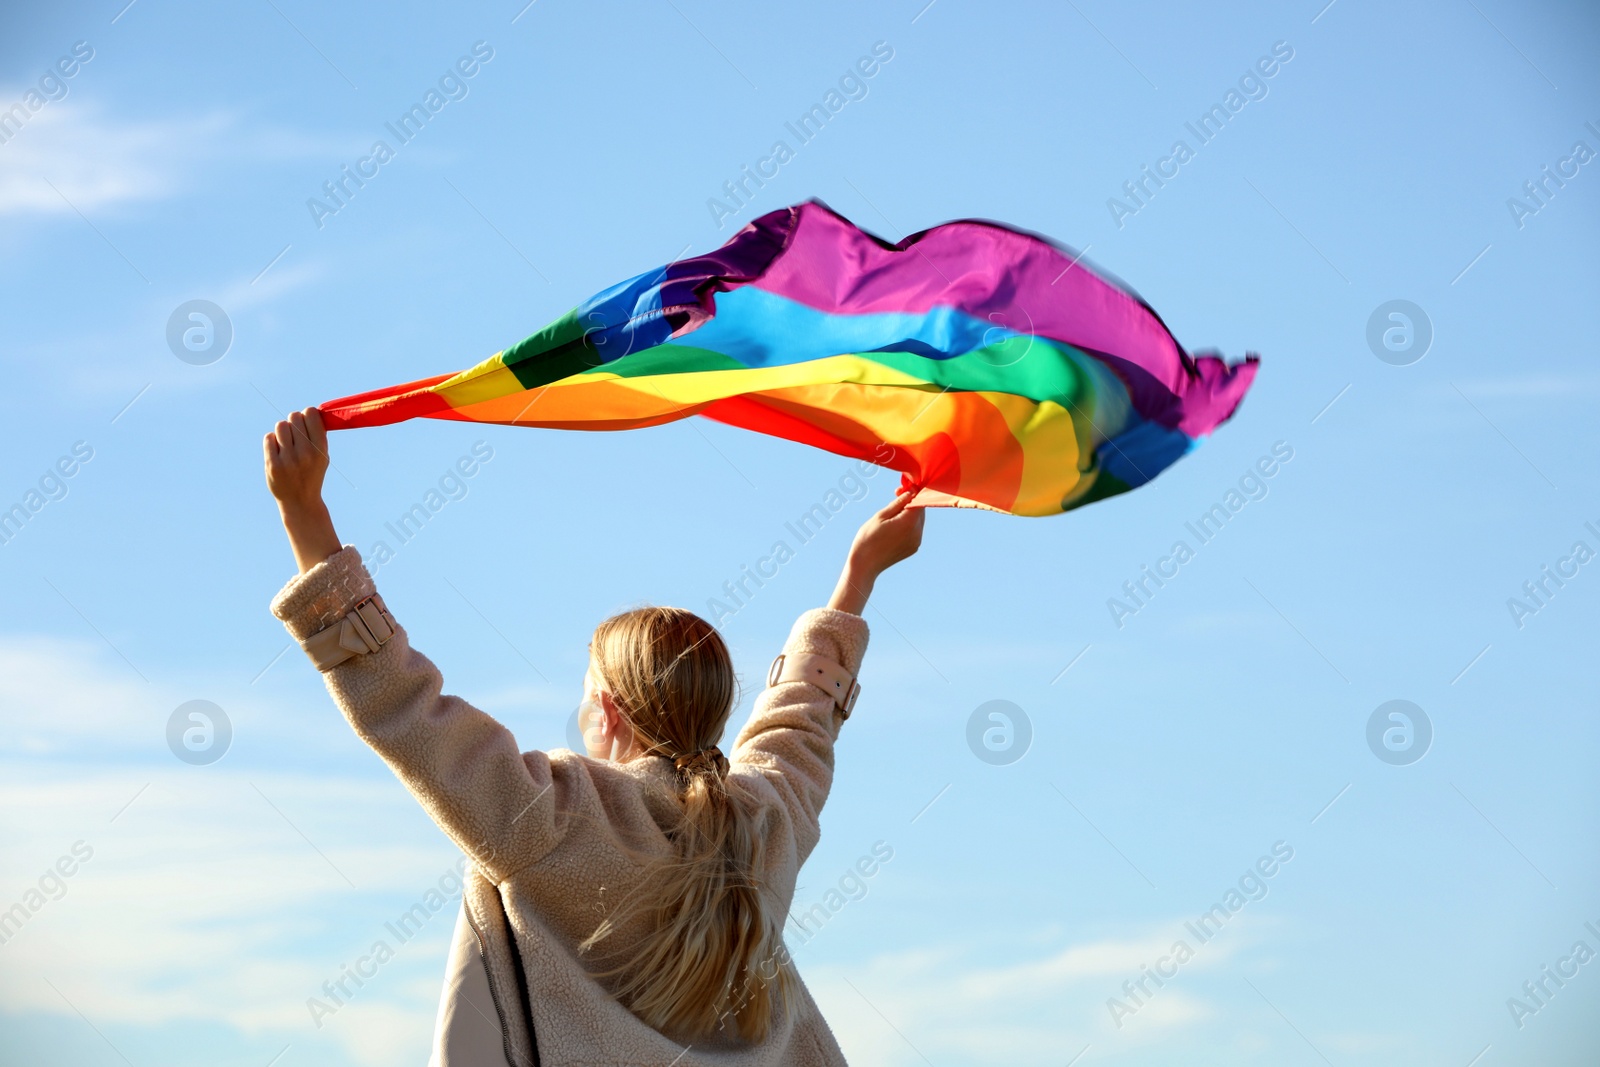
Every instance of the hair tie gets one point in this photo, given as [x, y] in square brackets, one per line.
[707, 760]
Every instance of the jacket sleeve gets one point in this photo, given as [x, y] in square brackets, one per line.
[792, 729]
[502, 807]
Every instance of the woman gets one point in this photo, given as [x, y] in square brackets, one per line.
[626, 906]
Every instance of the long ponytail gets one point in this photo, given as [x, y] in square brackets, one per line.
[712, 954]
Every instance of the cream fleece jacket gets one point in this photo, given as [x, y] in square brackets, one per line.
[555, 839]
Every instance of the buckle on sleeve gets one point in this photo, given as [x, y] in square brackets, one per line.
[819, 671]
[366, 628]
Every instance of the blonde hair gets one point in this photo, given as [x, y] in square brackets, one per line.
[714, 947]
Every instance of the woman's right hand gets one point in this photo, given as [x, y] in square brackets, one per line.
[891, 535]
[296, 454]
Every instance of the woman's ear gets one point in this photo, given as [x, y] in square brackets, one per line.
[612, 724]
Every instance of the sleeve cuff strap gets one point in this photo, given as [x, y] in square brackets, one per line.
[365, 629]
[323, 595]
[838, 635]
[819, 671]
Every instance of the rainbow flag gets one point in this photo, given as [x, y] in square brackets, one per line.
[999, 370]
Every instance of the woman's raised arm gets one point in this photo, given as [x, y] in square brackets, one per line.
[792, 729]
[504, 808]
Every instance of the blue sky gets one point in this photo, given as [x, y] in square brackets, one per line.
[1168, 754]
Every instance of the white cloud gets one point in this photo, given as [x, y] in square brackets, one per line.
[219, 893]
[58, 694]
[246, 294]
[77, 699]
[202, 901]
[1046, 1009]
[1540, 386]
[93, 161]
[96, 159]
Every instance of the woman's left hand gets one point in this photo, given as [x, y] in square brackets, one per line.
[891, 535]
